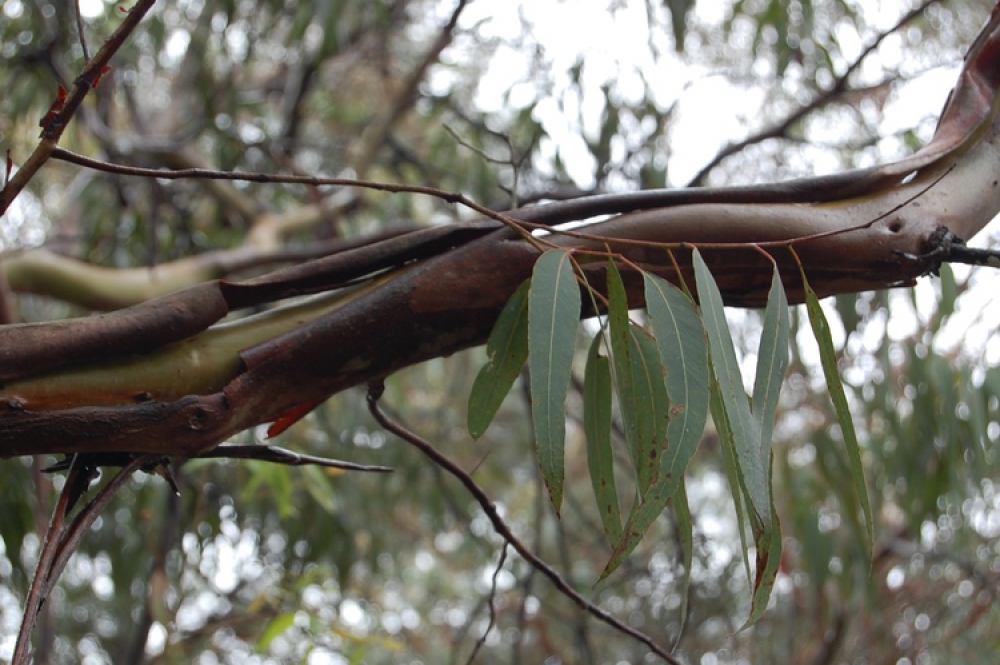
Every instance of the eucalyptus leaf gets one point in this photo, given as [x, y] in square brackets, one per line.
[553, 316]
[726, 371]
[828, 358]
[597, 426]
[506, 353]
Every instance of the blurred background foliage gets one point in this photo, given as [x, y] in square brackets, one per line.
[520, 102]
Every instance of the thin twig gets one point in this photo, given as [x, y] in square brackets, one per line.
[501, 527]
[286, 179]
[493, 611]
[278, 455]
[780, 130]
[65, 109]
[375, 136]
[80, 31]
[62, 540]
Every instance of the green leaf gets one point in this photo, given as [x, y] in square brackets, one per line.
[681, 341]
[506, 353]
[597, 425]
[553, 316]
[828, 358]
[949, 291]
[279, 625]
[683, 354]
[639, 380]
[734, 403]
[685, 533]
[733, 475]
[317, 483]
[772, 361]
[768, 542]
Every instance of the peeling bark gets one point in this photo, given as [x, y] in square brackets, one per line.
[432, 293]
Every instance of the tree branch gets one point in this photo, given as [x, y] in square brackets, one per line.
[63, 109]
[501, 527]
[839, 87]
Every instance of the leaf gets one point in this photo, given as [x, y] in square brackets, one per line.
[772, 361]
[768, 542]
[278, 625]
[682, 352]
[597, 425]
[734, 403]
[681, 341]
[553, 316]
[685, 533]
[733, 475]
[506, 353]
[639, 379]
[828, 358]
[949, 292]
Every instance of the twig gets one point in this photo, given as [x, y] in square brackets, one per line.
[278, 455]
[80, 31]
[493, 613]
[286, 179]
[54, 126]
[62, 540]
[501, 527]
[839, 87]
[374, 137]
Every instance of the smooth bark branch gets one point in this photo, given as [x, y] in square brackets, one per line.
[431, 293]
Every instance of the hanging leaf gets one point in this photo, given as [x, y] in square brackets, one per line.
[681, 341]
[733, 475]
[949, 292]
[772, 362]
[506, 353]
[639, 380]
[685, 533]
[553, 315]
[597, 425]
[682, 354]
[768, 542]
[828, 357]
[734, 402]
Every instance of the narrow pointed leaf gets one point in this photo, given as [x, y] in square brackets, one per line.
[828, 357]
[506, 353]
[729, 463]
[597, 425]
[553, 316]
[682, 343]
[683, 354]
[685, 528]
[639, 380]
[768, 542]
[772, 361]
[734, 402]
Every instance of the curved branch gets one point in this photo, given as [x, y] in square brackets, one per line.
[435, 292]
[483, 499]
[839, 87]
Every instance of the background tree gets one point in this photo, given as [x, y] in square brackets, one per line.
[263, 561]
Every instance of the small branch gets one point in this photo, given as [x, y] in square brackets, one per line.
[61, 541]
[952, 249]
[493, 594]
[501, 527]
[80, 30]
[278, 455]
[54, 126]
[375, 135]
[839, 87]
[210, 174]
